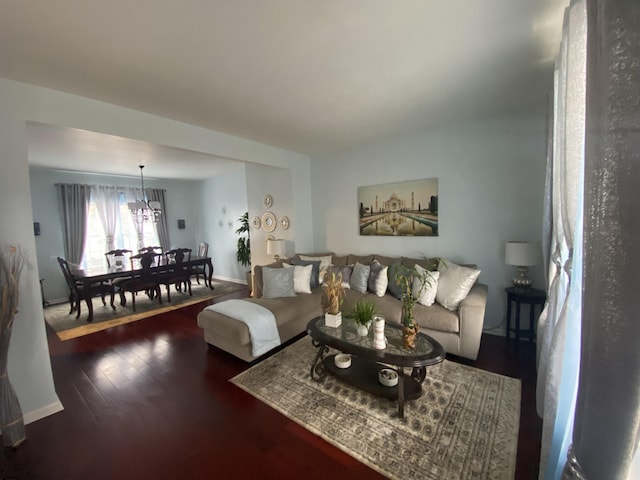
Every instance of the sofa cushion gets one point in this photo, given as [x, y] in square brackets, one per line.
[325, 262]
[393, 275]
[301, 277]
[424, 288]
[388, 260]
[363, 259]
[360, 277]
[340, 260]
[436, 317]
[344, 271]
[378, 280]
[430, 264]
[315, 270]
[278, 282]
[454, 283]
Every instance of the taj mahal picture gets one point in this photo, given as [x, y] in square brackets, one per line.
[399, 209]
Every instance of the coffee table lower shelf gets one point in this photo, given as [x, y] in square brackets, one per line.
[363, 374]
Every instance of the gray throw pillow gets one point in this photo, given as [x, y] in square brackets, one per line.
[345, 271]
[315, 271]
[360, 277]
[278, 282]
[395, 287]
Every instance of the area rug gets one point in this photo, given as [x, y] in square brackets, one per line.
[67, 326]
[464, 426]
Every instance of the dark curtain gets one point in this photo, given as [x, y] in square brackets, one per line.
[73, 200]
[162, 227]
[607, 417]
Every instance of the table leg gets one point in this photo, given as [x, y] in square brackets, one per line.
[532, 314]
[210, 268]
[318, 372]
[87, 298]
[508, 316]
[401, 392]
[517, 322]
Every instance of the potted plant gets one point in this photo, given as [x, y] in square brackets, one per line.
[243, 254]
[332, 298]
[363, 312]
[406, 278]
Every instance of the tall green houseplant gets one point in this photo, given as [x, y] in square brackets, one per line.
[243, 253]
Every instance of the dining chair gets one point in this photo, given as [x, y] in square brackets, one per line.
[117, 257]
[77, 290]
[150, 250]
[203, 251]
[178, 272]
[143, 278]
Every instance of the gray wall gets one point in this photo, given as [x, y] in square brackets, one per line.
[491, 179]
[181, 202]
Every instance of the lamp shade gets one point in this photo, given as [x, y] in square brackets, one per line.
[522, 254]
[276, 247]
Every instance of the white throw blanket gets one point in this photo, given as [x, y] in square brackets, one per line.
[260, 322]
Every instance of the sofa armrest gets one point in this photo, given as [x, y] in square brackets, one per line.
[471, 312]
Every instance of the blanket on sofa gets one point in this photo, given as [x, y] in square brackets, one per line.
[260, 322]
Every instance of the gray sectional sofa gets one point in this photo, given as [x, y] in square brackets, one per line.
[458, 331]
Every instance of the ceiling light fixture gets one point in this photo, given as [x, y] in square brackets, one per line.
[144, 210]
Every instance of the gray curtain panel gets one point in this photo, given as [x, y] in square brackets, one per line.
[162, 227]
[607, 418]
[73, 200]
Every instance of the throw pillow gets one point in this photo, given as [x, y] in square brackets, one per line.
[301, 277]
[378, 278]
[393, 273]
[454, 283]
[425, 290]
[325, 262]
[315, 271]
[278, 282]
[345, 271]
[360, 277]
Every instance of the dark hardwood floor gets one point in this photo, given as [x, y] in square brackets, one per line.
[150, 400]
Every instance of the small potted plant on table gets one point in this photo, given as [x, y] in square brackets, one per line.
[363, 312]
[332, 298]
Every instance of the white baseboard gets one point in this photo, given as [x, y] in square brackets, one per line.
[229, 279]
[42, 412]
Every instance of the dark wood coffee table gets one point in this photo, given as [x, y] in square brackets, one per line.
[366, 361]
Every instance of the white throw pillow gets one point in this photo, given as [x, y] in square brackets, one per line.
[301, 277]
[325, 263]
[425, 293]
[454, 283]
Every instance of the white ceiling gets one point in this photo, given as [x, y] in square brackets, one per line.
[306, 75]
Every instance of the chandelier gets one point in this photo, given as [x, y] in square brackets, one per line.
[144, 210]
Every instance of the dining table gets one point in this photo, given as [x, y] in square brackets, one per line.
[94, 275]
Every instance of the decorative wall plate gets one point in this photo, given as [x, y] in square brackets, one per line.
[284, 223]
[256, 222]
[268, 222]
[267, 201]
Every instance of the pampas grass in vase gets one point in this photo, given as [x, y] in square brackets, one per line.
[11, 420]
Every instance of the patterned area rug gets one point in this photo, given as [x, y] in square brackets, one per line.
[465, 425]
[67, 326]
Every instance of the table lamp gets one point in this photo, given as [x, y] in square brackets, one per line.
[277, 248]
[522, 255]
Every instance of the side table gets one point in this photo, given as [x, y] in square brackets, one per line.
[531, 297]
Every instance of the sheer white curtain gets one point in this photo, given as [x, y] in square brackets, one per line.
[107, 200]
[558, 350]
[131, 195]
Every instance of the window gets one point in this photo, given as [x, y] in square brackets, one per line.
[95, 244]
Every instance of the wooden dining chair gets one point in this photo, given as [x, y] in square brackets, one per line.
[77, 290]
[151, 250]
[143, 278]
[203, 251]
[178, 271]
[112, 257]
